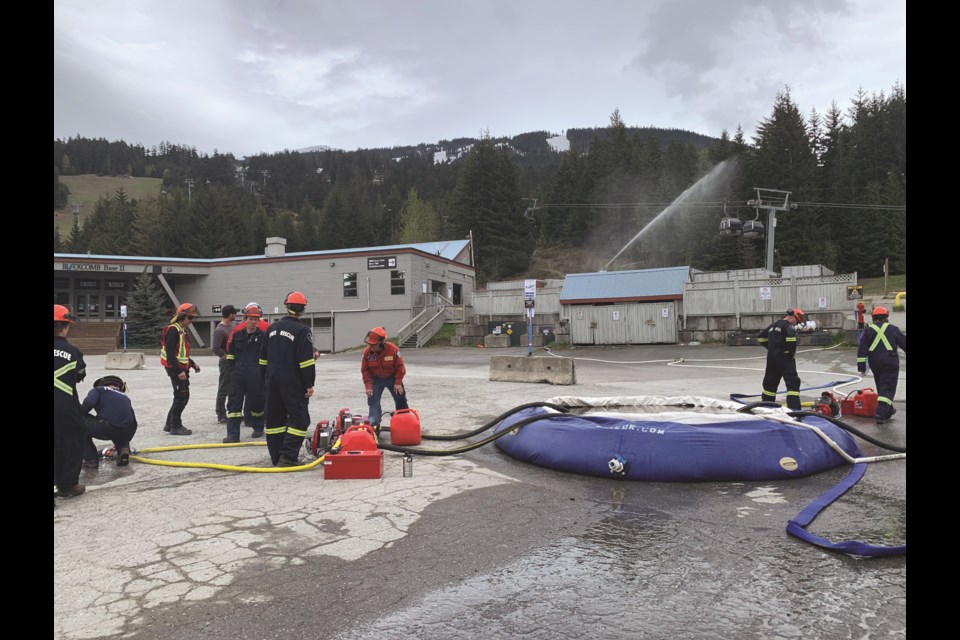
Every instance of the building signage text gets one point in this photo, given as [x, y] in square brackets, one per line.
[382, 262]
[87, 266]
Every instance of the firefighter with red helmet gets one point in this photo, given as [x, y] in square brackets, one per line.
[176, 361]
[289, 369]
[780, 340]
[246, 381]
[68, 369]
[382, 368]
[878, 347]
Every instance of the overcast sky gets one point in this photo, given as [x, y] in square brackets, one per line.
[251, 76]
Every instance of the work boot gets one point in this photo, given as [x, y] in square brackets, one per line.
[123, 458]
[180, 431]
[287, 462]
[73, 491]
[166, 428]
[221, 419]
[91, 464]
[231, 439]
[257, 433]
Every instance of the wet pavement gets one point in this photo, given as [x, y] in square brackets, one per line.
[475, 545]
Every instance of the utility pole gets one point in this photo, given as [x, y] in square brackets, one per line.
[189, 182]
[886, 274]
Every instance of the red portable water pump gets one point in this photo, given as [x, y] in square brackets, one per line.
[349, 448]
[827, 405]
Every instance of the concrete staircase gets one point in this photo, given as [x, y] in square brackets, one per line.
[94, 338]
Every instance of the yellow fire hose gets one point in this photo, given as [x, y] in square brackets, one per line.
[222, 467]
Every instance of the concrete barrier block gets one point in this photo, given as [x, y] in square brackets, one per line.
[496, 341]
[532, 369]
[124, 360]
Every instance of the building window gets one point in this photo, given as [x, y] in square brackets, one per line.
[398, 285]
[350, 285]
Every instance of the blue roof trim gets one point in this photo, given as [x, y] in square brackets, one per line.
[621, 285]
[448, 249]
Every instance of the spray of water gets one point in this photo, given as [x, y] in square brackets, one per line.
[705, 184]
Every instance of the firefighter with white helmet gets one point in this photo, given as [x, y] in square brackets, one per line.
[878, 347]
[780, 340]
[289, 369]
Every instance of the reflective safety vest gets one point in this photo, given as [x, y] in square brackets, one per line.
[60, 384]
[881, 337]
[183, 347]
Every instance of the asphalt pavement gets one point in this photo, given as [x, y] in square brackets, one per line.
[474, 545]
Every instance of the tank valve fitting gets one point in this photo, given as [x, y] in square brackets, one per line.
[617, 466]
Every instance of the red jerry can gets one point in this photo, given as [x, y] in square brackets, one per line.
[862, 402]
[405, 427]
[359, 437]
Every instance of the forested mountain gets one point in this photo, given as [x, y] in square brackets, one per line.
[846, 169]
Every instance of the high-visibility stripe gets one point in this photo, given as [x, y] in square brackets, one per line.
[238, 414]
[230, 356]
[791, 339]
[307, 363]
[859, 360]
[262, 362]
[880, 337]
[275, 430]
[793, 393]
[256, 414]
[761, 339]
[297, 432]
[769, 393]
[60, 384]
[883, 399]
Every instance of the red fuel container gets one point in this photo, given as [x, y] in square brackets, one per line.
[353, 465]
[862, 402]
[405, 427]
[359, 437]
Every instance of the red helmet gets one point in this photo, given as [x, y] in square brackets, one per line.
[295, 297]
[798, 314]
[252, 310]
[188, 310]
[879, 311]
[62, 314]
[376, 335]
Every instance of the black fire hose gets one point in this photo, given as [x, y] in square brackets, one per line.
[492, 423]
[473, 445]
[843, 425]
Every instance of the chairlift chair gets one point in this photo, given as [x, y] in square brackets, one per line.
[730, 225]
[753, 229]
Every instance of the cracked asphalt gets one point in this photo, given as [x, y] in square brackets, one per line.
[474, 545]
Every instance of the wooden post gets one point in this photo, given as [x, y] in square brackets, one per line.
[886, 274]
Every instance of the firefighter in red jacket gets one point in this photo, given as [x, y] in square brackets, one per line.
[780, 340]
[176, 361]
[382, 368]
[289, 370]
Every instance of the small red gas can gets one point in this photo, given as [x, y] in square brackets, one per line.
[862, 402]
[359, 437]
[405, 427]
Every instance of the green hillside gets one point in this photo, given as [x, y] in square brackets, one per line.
[85, 189]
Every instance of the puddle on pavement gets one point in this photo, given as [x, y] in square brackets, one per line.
[645, 574]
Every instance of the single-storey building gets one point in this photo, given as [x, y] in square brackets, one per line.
[348, 290]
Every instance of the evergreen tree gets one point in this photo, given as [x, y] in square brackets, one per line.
[487, 202]
[420, 220]
[146, 312]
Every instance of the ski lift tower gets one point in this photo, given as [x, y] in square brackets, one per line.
[772, 200]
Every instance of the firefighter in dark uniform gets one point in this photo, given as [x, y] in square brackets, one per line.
[780, 340]
[176, 361]
[289, 370]
[246, 380]
[68, 369]
[878, 346]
